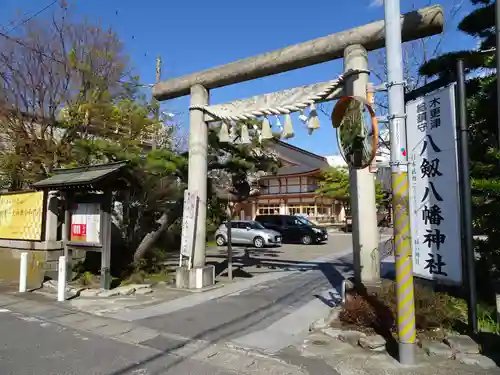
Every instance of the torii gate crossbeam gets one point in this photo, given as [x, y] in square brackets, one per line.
[415, 25]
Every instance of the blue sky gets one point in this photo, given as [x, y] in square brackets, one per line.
[196, 35]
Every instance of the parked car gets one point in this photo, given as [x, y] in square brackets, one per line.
[294, 229]
[246, 232]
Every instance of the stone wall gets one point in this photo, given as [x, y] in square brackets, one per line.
[42, 261]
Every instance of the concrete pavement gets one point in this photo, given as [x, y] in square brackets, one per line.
[256, 329]
[195, 328]
[31, 346]
[46, 341]
[272, 312]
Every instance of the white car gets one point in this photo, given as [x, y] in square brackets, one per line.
[246, 232]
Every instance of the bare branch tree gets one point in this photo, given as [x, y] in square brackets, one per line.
[48, 66]
[415, 54]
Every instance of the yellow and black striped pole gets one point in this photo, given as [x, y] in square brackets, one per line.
[404, 264]
[400, 196]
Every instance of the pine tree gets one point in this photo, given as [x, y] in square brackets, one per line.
[334, 183]
[483, 145]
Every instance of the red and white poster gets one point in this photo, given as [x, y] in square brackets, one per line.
[86, 223]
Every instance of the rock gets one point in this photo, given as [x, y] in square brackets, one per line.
[372, 342]
[90, 292]
[50, 284]
[324, 323]
[436, 348]
[142, 286]
[333, 316]
[462, 344]
[476, 359]
[125, 290]
[143, 291]
[351, 337]
[318, 325]
[332, 332]
[380, 349]
[108, 293]
[72, 292]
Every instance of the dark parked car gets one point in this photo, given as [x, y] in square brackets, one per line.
[294, 229]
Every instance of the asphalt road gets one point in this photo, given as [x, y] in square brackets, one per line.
[30, 346]
[251, 310]
[37, 346]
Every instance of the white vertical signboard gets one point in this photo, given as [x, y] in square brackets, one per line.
[434, 187]
[189, 215]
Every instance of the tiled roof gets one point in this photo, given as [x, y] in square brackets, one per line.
[295, 169]
[79, 177]
[304, 161]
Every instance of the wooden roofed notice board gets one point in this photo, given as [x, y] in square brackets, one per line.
[21, 216]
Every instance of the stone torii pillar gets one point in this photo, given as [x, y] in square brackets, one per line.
[415, 25]
[366, 257]
[197, 174]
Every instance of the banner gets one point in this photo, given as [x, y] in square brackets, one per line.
[21, 216]
[434, 195]
[189, 217]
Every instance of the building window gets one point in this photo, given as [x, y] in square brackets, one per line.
[323, 210]
[308, 210]
[271, 209]
[293, 209]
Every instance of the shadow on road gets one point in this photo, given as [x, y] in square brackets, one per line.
[333, 271]
[252, 258]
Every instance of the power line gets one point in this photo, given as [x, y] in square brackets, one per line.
[52, 58]
[32, 16]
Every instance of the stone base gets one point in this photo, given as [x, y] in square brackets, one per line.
[373, 286]
[194, 278]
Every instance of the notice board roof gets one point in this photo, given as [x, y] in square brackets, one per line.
[91, 177]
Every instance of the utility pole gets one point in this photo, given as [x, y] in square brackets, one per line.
[400, 196]
[365, 236]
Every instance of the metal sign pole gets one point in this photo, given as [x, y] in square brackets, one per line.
[400, 194]
[465, 195]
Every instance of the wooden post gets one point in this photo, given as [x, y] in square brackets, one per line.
[51, 216]
[229, 242]
[106, 206]
[66, 230]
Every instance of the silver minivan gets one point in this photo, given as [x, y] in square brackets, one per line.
[247, 232]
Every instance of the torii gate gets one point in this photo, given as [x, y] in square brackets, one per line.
[352, 45]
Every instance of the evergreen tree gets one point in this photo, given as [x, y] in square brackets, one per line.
[334, 183]
[67, 99]
[483, 145]
[234, 170]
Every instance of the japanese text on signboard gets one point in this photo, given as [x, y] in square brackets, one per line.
[434, 203]
[21, 216]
